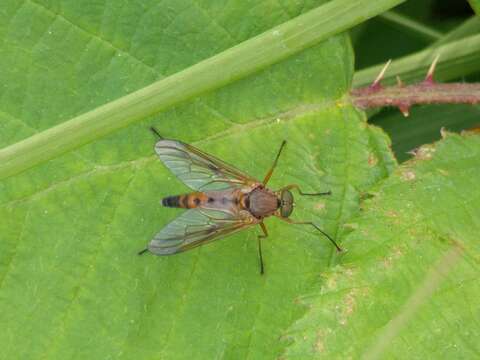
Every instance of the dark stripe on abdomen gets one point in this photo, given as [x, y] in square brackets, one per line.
[172, 201]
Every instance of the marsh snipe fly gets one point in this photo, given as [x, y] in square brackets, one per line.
[225, 200]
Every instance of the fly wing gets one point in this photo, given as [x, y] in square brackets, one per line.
[196, 227]
[198, 170]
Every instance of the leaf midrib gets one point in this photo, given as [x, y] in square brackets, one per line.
[235, 128]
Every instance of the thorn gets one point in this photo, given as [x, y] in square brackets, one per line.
[429, 78]
[405, 109]
[414, 151]
[376, 84]
[444, 132]
[400, 82]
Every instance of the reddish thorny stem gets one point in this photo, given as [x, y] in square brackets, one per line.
[404, 96]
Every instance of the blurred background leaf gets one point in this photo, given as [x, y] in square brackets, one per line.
[410, 28]
[475, 5]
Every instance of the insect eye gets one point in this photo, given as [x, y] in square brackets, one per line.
[287, 197]
[287, 203]
[286, 210]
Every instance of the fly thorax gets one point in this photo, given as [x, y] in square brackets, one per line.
[262, 202]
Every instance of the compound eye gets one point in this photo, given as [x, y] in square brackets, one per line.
[287, 204]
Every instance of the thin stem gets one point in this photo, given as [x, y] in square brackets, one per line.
[469, 27]
[237, 62]
[412, 26]
[458, 58]
[404, 96]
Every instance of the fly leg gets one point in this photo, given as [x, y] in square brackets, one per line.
[155, 131]
[290, 221]
[270, 172]
[265, 234]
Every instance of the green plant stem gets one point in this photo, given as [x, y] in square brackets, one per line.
[475, 6]
[469, 27]
[405, 23]
[239, 61]
[457, 58]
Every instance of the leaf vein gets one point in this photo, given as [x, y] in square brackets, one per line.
[231, 131]
[93, 35]
[14, 251]
[89, 268]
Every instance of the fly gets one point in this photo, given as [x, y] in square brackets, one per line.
[225, 200]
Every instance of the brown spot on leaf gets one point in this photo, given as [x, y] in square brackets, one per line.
[349, 272]
[444, 132]
[331, 283]
[397, 251]
[319, 206]
[424, 152]
[393, 217]
[319, 344]
[472, 131]
[349, 303]
[352, 226]
[443, 172]
[395, 254]
[408, 175]
[391, 213]
[372, 160]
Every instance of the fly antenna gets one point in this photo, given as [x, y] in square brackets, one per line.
[270, 172]
[155, 131]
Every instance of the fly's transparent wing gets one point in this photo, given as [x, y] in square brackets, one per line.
[199, 170]
[196, 227]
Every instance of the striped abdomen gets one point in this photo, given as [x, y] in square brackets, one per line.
[187, 201]
[223, 200]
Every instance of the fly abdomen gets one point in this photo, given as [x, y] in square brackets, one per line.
[187, 201]
[173, 201]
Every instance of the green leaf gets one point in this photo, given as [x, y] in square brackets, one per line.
[409, 27]
[458, 58]
[71, 284]
[475, 4]
[407, 287]
[428, 122]
[236, 62]
[469, 27]
[407, 24]
[425, 122]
